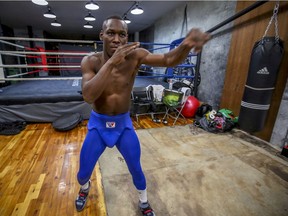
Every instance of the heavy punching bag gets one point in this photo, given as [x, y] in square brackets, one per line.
[263, 70]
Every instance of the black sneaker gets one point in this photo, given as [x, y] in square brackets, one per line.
[81, 199]
[146, 209]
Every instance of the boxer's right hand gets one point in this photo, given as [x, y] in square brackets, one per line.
[123, 51]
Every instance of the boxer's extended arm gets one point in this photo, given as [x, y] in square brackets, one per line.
[194, 39]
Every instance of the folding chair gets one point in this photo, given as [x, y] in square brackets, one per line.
[174, 104]
[157, 106]
[144, 103]
[141, 102]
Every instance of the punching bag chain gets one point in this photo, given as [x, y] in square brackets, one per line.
[275, 18]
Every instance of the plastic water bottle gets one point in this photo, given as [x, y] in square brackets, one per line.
[170, 84]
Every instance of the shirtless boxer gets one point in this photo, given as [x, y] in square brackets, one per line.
[107, 82]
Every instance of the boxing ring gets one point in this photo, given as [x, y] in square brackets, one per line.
[40, 85]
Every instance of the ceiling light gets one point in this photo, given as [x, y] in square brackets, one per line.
[40, 2]
[49, 14]
[137, 10]
[126, 20]
[88, 25]
[56, 23]
[90, 17]
[92, 5]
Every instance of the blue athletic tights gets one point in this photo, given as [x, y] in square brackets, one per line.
[127, 144]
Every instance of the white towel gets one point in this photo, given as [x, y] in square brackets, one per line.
[157, 92]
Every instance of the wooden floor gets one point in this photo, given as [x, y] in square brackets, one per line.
[38, 171]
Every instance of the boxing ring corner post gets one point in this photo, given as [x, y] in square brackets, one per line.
[2, 75]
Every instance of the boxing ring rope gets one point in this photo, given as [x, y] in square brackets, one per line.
[26, 73]
[45, 53]
[49, 54]
[44, 78]
[17, 55]
[40, 66]
[12, 44]
[36, 53]
[47, 40]
[74, 41]
[70, 41]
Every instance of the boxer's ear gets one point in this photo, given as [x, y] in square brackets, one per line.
[101, 35]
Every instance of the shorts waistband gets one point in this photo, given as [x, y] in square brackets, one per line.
[98, 120]
[110, 117]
